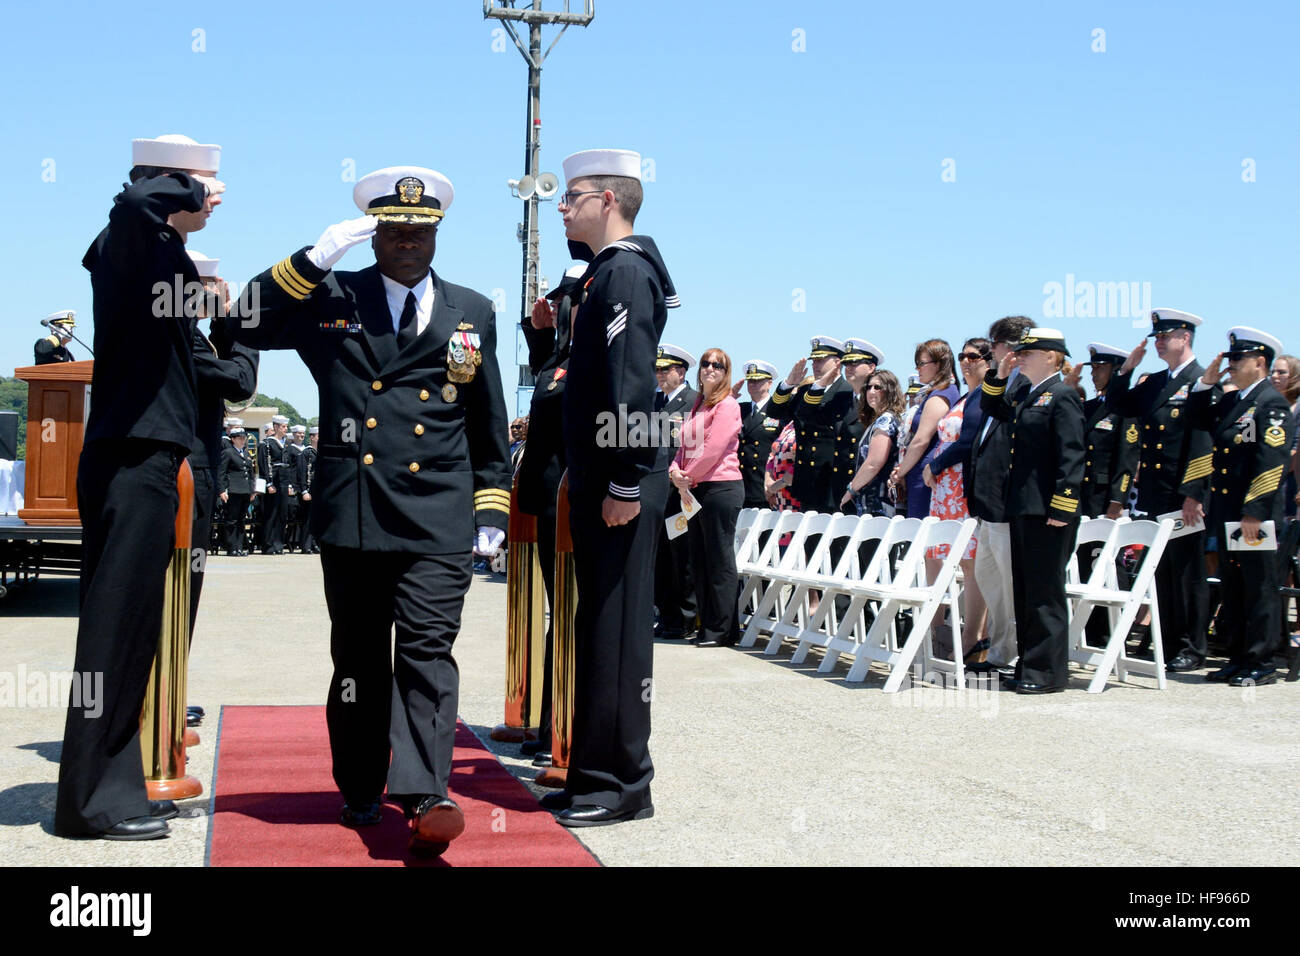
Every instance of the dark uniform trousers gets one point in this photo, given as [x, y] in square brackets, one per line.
[126, 491]
[385, 693]
[1039, 555]
[1249, 616]
[675, 586]
[273, 504]
[236, 512]
[1183, 595]
[614, 657]
[205, 503]
[712, 535]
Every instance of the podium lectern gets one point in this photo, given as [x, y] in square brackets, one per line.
[58, 401]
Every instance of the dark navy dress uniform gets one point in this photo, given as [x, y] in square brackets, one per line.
[409, 463]
[827, 431]
[50, 350]
[235, 478]
[1112, 460]
[758, 429]
[622, 314]
[271, 465]
[674, 573]
[1045, 479]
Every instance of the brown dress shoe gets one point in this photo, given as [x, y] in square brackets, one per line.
[436, 821]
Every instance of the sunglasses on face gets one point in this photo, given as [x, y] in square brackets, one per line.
[875, 388]
[721, 367]
[972, 357]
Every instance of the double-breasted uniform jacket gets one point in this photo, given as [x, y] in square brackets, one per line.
[826, 441]
[986, 486]
[235, 472]
[1112, 458]
[1045, 472]
[674, 413]
[408, 460]
[758, 429]
[1251, 453]
[1168, 439]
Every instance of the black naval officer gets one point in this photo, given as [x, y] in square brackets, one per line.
[54, 347]
[142, 422]
[614, 489]
[1251, 427]
[758, 430]
[412, 478]
[1043, 490]
[1173, 475]
[674, 583]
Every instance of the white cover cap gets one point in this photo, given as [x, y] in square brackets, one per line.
[206, 266]
[603, 162]
[411, 199]
[176, 152]
[673, 355]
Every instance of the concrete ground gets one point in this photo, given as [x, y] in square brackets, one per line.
[757, 761]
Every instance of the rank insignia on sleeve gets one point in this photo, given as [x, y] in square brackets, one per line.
[1131, 436]
[1274, 436]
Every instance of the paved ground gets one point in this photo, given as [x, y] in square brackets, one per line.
[757, 761]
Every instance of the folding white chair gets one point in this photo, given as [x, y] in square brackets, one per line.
[1154, 537]
[1101, 533]
[744, 523]
[754, 580]
[795, 558]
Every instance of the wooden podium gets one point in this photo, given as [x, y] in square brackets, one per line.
[58, 401]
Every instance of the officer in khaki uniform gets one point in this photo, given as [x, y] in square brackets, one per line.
[1251, 428]
[758, 429]
[413, 474]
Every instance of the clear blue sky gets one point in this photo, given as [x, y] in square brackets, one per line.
[775, 170]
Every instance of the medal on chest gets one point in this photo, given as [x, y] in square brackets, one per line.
[464, 356]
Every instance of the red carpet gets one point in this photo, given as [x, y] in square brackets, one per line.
[276, 804]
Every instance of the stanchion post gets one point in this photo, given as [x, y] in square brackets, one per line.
[525, 628]
[562, 626]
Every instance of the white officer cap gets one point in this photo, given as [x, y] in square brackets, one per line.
[279, 420]
[603, 162]
[823, 346]
[66, 317]
[1167, 320]
[299, 429]
[673, 355]
[410, 194]
[858, 350]
[175, 152]
[1042, 339]
[1242, 340]
[1102, 353]
[757, 369]
[206, 266]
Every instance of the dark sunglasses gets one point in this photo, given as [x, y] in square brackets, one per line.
[720, 366]
[875, 388]
[972, 356]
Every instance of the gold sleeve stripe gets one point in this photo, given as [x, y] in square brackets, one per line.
[296, 276]
[812, 399]
[993, 389]
[283, 280]
[492, 493]
[491, 506]
[1199, 468]
[780, 398]
[1265, 484]
[1061, 503]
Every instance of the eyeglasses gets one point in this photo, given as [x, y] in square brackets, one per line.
[875, 388]
[570, 195]
[926, 362]
[720, 366]
[972, 357]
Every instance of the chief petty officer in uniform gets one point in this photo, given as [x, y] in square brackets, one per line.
[1171, 445]
[54, 347]
[547, 333]
[1251, 429]
[614, 492]
[1042, 500]
[758, 429]
[272, 466]
[235, 487]
[674, 584]
[412, 477]
[142, 421]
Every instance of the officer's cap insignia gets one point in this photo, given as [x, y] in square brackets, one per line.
[410, 190]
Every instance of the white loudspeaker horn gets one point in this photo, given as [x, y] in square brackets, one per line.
[527, 186]
[548, 184]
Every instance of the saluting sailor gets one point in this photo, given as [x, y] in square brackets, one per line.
[1252, 432]
[54, 347]
[1112, 440]
[758, 429]
[1173, 475]
[413, 476]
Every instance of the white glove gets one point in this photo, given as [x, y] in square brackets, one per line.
[488, 541]
[339, 238]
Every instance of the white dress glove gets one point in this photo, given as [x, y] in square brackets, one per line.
[488, 541]
[339, 238]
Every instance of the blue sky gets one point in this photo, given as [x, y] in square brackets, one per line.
[914, 170]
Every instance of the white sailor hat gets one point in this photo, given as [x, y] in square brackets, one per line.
[566, 285]
[1242, 340]
[279, 420]
[314, 430]
[673, 355]
[823, 346]
[233, 423]
[175, 151]
[299, 429]
[268, 428]
[860, 350]
[1042, 339]
[235, 432]
[1100, 353]
[409, 194]
[1168, 320]
[66, 318]
[756, 370]
[206, 266]
[603, 162]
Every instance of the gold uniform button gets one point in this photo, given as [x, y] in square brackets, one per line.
[376, 385]
[424, 394]
[368, 458]
[1088, 463]
[371, 423]
[1162, 427]
[1157, 465]
[1089, 448]
[419, 429]
[1159, 445]
[415, 466]
[1223, 471]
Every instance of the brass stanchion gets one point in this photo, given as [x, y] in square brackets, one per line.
[525, 628]
[562, 622]
[162, 724]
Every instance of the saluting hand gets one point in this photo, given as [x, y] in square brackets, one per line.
[796, 373]
[1006, 365]
[339, 238]
[1213, 372]
[735, 389]
[1134, 358]
[543, 314]
[831, 374]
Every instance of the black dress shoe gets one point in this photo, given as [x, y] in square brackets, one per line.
[1223, 674]
[543, 759]
[363, 813]
[559, 800]
[193, 720]
[437, 820]
[136, 828]
[1009, 681]
[663, 634]
[195, 709]
[1028, 687]
[162, 809]
[590, 816]
[530, 748]
[1258, 675]
[1185, 661]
